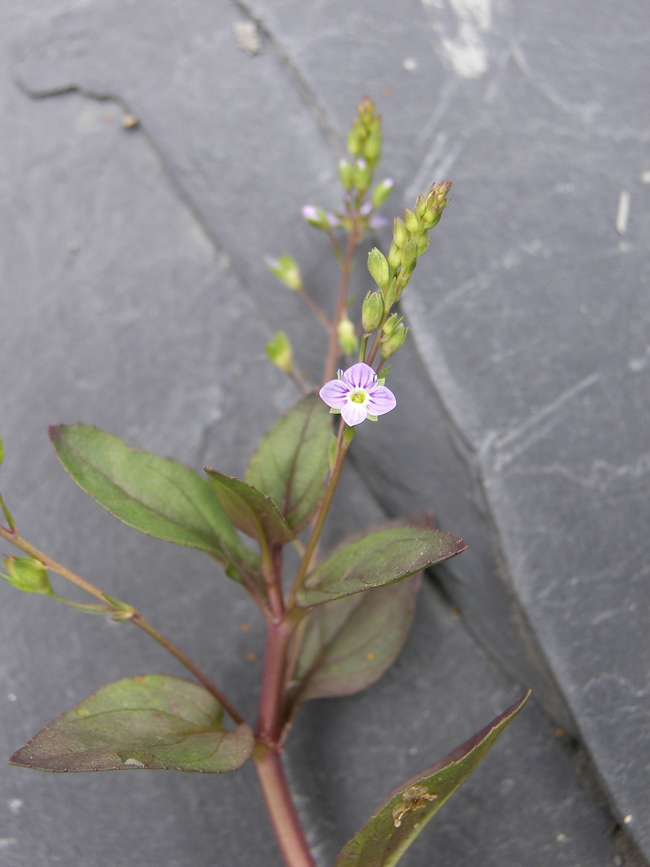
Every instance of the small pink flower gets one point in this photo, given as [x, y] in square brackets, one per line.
[358, 395]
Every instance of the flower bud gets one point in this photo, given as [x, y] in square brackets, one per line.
[391, 324]
[355, 142]
[411, 221]
[280, 353]
[2, 454]
[394, 256]
[420, 207]
[437, 195]
[372, 311]
[287, 272]
[317, 218]
[362, 176]
[410, 257]
[400, 234]
[391, 294]
[381, 192]
[379, 268]
[27, 575]
[391, 344]
[372, 148]
[346, 174]
[366, 111]
[347, 338]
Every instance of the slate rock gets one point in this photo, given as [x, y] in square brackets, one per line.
[128, 241]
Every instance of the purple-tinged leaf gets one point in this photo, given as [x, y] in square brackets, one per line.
[382, 558]
[155, 496]
[154, 722]
[408, 809]
[249, 509]
[348, 644]
[291, 464]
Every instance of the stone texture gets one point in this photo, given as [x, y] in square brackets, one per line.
[135, 297]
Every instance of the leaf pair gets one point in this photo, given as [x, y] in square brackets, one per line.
[165, 500]
[344, 646]
[158, 722]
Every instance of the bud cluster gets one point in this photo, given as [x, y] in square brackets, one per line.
[364, 144]
[392, 273]
[364, 139]
[411, 237]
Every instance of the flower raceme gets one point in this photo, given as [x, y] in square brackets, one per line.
[357, 394]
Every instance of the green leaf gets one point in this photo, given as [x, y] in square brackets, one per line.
[405, 813]
[349, 643]
[291, 464]
[250, 510]
[379, 559]
[153, 722]
[155, 496]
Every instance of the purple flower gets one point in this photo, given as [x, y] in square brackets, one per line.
[358, 395]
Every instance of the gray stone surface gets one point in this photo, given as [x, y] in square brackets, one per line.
[134, 296]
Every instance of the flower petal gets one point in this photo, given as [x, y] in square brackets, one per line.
[380, 400]
[360, 376]
[335, 393]
[354, 413]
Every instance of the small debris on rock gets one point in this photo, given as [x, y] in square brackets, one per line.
[248, 37]
[129, 121]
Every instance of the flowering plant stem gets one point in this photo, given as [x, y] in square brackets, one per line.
[340, 452]
[314, 648]
[131, 614]
[281, 809]
[333, 351]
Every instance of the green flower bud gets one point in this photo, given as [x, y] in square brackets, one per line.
[27, 575]
[372, 311]
[431, 219]
[381, 193]
[400, 233]
[437, 195]
[379, 268]
[372, 148]
[366, 111]
[347, 338]
[411, 221]
[436, 203]
[317, 218]
[280, 353]
[391, 344]
[355, 143]
[287, 272]
[362, 176]
[410, 257]
[420, 207]
[346, 174]
[2, 453]
[394, 256]
[391, 294]
[391, 324]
